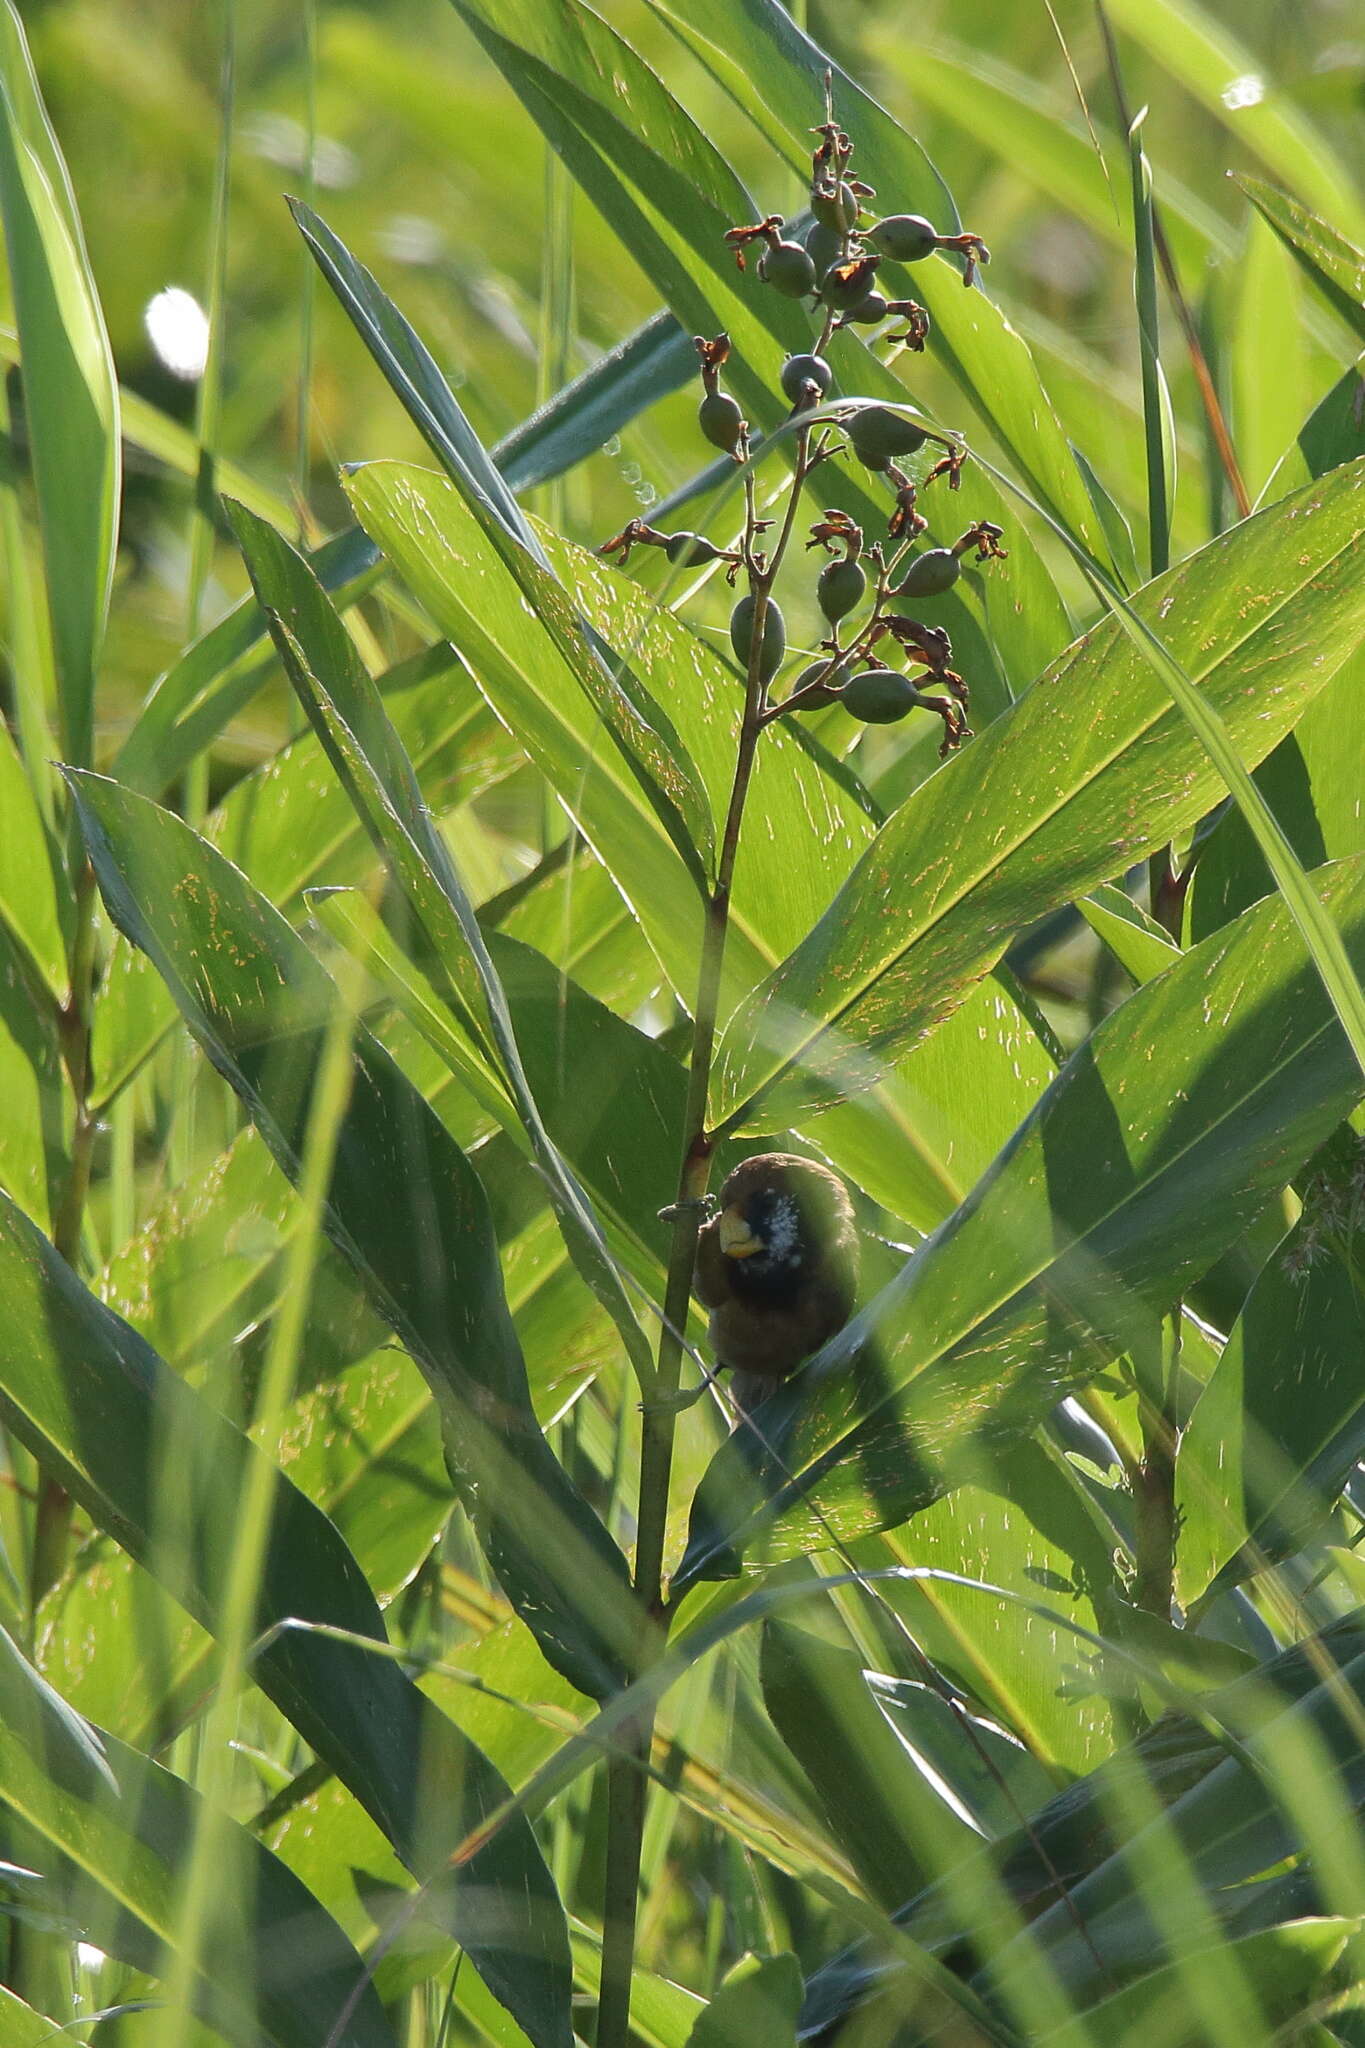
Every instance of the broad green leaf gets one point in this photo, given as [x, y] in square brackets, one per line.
[1268, 374]
[1075, 1831]
[1223, 75]
[657, 359]
[1333, 433]
[35, 1094]
[432, 539]
[109, 1420]
[29, 874]
[611, 1098]
[1135, 939]
[121, 1829]
[1279, 1427]
[1094, 768]
[577, 919]
[1311, 784]
[1027, 1528]
[290, 824]
[992, 1777]
[405, 1207]
[368, 757]
[205, 1265]
[1128, 1180]
[1229, 1826]
[218, 674]
[895, 1828]
[1335, 265]
[21, 2026]
[1289, 1969]
[638, 724]
[1309, 780]
[756, 2006]
[921, 1138]
[364, 1446]
[70, 393]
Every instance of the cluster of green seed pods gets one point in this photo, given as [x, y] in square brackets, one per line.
[834, 261]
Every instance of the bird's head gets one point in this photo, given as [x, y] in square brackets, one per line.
[779, 1217]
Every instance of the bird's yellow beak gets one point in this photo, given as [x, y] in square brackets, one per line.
[737, 1241]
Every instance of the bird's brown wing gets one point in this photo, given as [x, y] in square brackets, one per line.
[773, 1341]
[711, 1279]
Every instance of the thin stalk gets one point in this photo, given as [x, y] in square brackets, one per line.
[1199, 364]
[626, 1780]
[208, 407]
[52, 1521]
[1154, 407]
[1155, 1521]
[303, 448]
[203, 1884]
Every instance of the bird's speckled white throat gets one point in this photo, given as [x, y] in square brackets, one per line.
[783, 1232]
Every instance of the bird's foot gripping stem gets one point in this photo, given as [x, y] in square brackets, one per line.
[683, 1398]
[704, 1205]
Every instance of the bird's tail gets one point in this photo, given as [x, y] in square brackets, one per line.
[749, 1390]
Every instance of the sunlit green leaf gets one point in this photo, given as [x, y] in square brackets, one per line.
[405, 1207]
[1128, 1180]
[89, 1397]
[119, 1828]
[1092, 769]
[70, 393]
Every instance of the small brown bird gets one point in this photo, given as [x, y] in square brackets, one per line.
[778, 1268]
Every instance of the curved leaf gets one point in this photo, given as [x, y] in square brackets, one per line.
[102, 1412]
[638, 725]
[1132, 1175]
[1092, 769]
[70, 391]
[405, 1208]
[1281, 1424]
[121, 1829]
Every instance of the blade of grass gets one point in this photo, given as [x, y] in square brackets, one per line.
[1156, 402]
[1334, 264]
[70, 393]
[1214, 417]
[251, 1527]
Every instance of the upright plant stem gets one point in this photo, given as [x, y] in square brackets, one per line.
[52, 1522]
[626, 1778]
[1155, 1523]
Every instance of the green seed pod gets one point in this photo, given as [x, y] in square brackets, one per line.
[868, 311]
[824, 246]
[839, 588]
[837, 210]
[691, 549]
[930, 574]
[787, 267]
[721, 420]
[828, 692]
[799, 370]
[878, 696]
[878, 435]
[904, 237]
[774, 637]
[846, 284]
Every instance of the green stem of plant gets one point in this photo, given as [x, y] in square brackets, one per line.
[626, 1775]
[1155, 1520]
[52, 1521]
